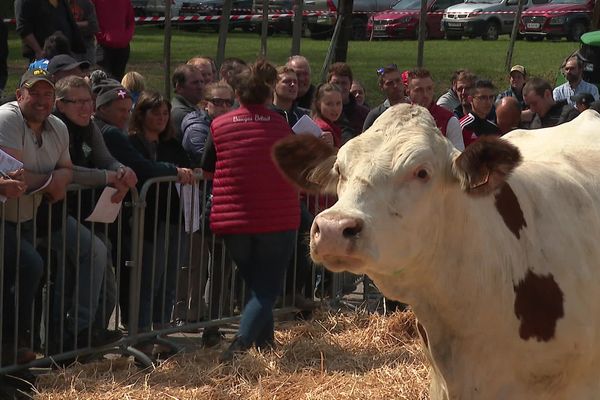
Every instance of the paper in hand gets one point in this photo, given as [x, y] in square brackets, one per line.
[190, 197]
[106, 211]
[8, 164]
[306, 125]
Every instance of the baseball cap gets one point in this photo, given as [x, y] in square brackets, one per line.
[32, 76]
[583, 98]
[519, 68]
[64, 62]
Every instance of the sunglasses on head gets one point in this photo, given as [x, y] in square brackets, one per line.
[220, 102]
[381, 70]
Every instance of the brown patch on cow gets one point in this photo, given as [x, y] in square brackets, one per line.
[306, 161]
[423, 334]
[485, 165]
[538, 305]
[509, 208]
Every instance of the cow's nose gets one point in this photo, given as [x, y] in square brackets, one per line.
[333, 233]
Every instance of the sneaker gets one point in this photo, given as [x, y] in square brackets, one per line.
[236, 347]
[100, 337]
[211, 336]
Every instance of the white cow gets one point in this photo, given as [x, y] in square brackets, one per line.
[497, 249]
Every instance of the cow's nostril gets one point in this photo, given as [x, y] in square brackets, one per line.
[353, 231]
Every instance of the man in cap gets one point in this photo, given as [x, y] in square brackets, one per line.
[582, 101]
[64, 65]
[516, 78]
[32, 135]
[573, 72]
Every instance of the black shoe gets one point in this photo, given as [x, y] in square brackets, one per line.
[236, 347]
[100, 337]
[211, 336]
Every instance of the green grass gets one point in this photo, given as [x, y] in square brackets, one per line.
[441, 56]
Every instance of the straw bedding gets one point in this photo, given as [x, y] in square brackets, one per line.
[333, 356]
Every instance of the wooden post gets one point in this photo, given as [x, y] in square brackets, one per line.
[513, 37]
[223, 29]
[297, 27]
[422, 33]
[167, 49]
[595, 24]
[264, 28]
[341, 45]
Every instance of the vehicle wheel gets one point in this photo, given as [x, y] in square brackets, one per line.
[577, 29]
[452, 36]
[359, 29]
[491, 31]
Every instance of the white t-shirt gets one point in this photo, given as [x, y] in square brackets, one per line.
[42, 158]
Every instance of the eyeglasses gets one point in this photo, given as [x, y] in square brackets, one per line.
[220, 102]
[381, 71]
[491, 97]
[78, 102]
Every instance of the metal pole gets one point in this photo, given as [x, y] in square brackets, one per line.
[223, 28]
[422, 33]
[513, 37]
[167, 49]
[330, 50]
[264, 28]
[297, 27]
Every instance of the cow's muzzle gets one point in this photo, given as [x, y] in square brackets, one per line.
[334, 238]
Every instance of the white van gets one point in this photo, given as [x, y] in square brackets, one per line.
[485, 18]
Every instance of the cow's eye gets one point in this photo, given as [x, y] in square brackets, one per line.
[422, 174]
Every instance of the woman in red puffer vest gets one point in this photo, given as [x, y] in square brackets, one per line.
[254, 208]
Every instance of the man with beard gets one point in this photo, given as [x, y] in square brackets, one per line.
[390, 84]
[573, 71]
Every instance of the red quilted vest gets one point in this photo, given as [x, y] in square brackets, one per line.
[249, 193]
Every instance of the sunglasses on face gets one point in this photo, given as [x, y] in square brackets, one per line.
[220, 102]
[381, 70]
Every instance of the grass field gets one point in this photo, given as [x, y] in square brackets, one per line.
[441, 56]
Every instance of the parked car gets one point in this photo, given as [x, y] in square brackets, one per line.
[321, 27]
[215, 8]
[485, 18]
[402, 20]
[557, 19]
[276, 25]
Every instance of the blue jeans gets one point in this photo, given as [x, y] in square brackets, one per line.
[157, 296]
[262, 260]
[30, 270]
[92, 264]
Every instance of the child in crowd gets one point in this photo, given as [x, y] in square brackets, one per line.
[326, 110]
[135, 83]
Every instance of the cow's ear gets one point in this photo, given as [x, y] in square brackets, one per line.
[485, 165]
[307, 162]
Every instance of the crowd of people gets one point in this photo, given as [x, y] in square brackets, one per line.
[77, 117]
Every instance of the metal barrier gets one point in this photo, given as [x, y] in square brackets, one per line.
[149, 274]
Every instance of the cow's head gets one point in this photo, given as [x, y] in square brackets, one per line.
[395, 184]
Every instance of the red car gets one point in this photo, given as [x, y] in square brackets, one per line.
[402, 21]
[556, 19]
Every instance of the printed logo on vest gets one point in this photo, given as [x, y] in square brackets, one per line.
[262, 118]
[238, 118]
